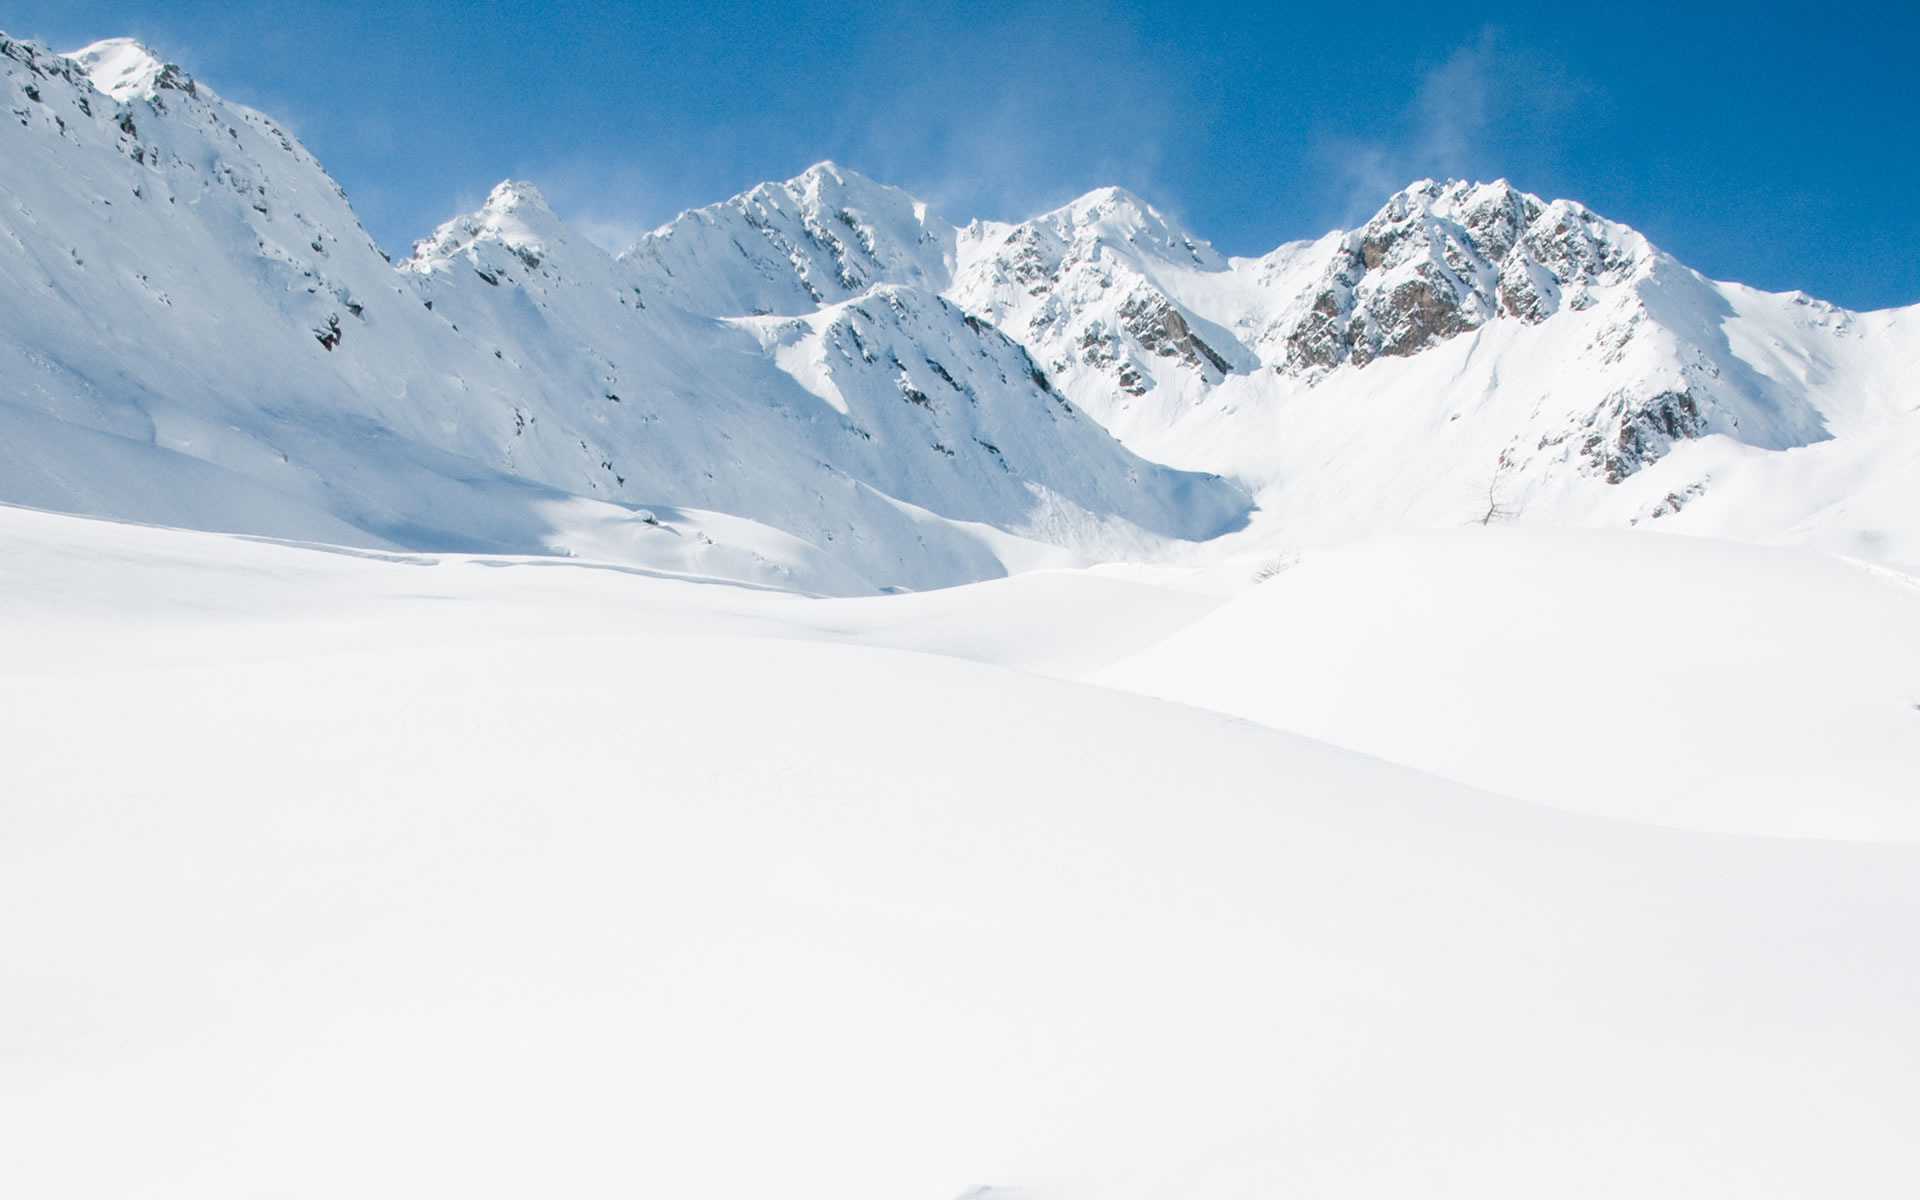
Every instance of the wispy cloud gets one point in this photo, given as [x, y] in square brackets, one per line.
[608, 201]
[997, 161]
[611, 234]
[993, 120]
[1490, 108]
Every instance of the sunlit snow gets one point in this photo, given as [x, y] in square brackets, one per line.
[828, 703]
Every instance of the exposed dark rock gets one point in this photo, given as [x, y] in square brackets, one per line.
[1160, 328]
[1442, 259]
[329, 335]
[1643, 431]
[1409, 318]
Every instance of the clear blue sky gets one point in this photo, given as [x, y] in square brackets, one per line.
[1775, 144]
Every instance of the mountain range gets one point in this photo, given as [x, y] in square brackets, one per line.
[822, 385]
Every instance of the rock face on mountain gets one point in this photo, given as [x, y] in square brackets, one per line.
[1441, 259]
[1095, 289]
[1471, 352]
[194, 330]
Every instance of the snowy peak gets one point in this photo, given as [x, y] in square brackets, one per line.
[515, 195]
[1104, 291]
[1443, 258]
[828, 187]
[1105, 227]
[1116, 217]
[126, 70]
[515, 216]
[820, 238]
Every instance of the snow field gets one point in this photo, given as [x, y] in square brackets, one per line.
[393, 875]
[1673, 680]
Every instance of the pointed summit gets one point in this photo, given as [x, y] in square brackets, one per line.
[515, 195]
[1108, 201]
[1119, 218]
[126, 70]
[515, 215]
[822, 237]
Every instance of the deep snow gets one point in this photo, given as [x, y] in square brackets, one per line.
[335, 872]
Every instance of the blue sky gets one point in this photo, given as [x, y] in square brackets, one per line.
[1775, 144]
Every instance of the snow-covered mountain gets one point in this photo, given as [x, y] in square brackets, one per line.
[196, 331]
[830, 388]
[1470, 353]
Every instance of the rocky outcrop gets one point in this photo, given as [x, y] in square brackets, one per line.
[1091, 288]
[1157, 325]
[1441, 259]
[1634, 432]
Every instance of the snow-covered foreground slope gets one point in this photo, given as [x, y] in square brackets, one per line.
[339, 873]
[1688, 682]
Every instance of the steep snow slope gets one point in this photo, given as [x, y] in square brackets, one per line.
[384, 877]
[1708, 685]
[788, 248]
[196, 331]
[852, 427]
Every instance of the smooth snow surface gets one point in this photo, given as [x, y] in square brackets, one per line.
[342, 873]
[1675, 680]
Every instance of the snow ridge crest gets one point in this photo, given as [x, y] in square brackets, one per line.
[125, 70]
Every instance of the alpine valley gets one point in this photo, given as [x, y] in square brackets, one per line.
[833, 704]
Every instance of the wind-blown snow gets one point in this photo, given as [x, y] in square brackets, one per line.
[121, 68]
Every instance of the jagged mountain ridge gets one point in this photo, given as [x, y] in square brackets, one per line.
[195, 304]
[1472, 352]
[820, 424]
[909, 402]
